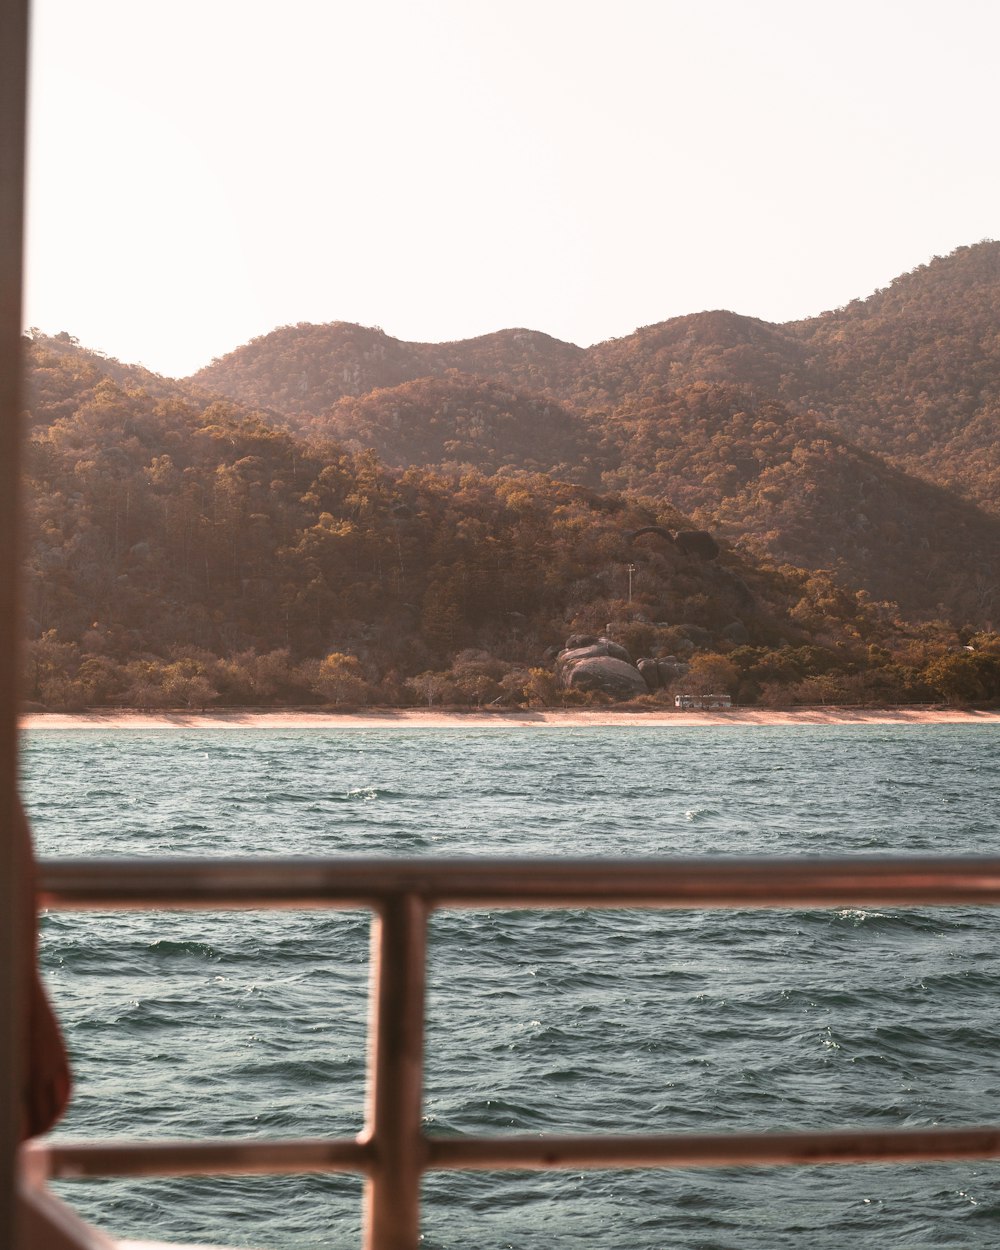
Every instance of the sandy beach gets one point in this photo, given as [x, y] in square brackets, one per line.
[431, 718]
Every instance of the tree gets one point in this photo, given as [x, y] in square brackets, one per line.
[712, 674]
[965, 677]
[340, 680]
[431, 686]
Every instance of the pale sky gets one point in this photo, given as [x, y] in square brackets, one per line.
[205, 170]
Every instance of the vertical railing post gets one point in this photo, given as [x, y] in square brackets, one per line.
[392, 1192]
[14, 900]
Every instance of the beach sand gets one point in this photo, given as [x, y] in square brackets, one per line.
[431, 718]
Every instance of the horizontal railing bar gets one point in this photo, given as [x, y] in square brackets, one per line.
[81, 1160]
[715, 1150]
[69, 1160]
[679, 881]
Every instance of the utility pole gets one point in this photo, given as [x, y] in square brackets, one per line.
[631, 573]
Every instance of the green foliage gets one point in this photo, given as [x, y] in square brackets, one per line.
[712, 674]
[965, 677]
[339, 680]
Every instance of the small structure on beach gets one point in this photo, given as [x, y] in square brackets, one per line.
[702, 702]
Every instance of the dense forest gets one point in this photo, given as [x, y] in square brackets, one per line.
[330, 515]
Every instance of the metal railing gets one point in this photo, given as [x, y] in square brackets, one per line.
[392, 1152]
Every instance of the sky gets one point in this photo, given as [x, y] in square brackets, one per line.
[203, 171]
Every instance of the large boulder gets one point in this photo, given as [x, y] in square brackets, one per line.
[603, 673]
[660, 672]
[698, 543]
[595, 663]
[580, 646]
[671, 669]
[575, 641]
[650, 672]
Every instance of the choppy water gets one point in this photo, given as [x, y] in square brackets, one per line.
[253, 1023]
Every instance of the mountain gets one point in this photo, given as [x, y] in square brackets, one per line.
[62, 375]
[183, 550]
[913, 372]
[715, 346]
[186, 551]
[309, 368]
[866, 440]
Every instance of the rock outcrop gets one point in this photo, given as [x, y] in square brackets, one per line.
[661, 672]
[599, 665]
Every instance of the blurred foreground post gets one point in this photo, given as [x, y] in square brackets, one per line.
[13, 900]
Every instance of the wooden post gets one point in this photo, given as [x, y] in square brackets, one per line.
[395, 1076]
[13, 88]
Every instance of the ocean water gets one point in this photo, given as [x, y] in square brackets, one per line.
[247, 1023]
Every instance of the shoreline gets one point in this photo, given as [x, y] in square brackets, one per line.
[431, 718]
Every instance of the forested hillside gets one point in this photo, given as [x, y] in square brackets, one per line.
[913, 372]
[866, 440]
[361, 519]
[462, 420]
[306, 369]
[910, 373]
[781, 484]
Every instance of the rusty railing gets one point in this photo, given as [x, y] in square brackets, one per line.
[392, 1152]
